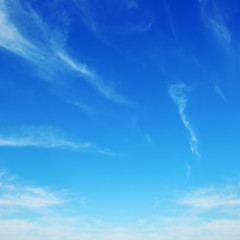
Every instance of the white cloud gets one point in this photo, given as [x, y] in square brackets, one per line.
[215, 22]
[14, 195]
[45, 49]
[29, 199]
[86, 14]
[106, 91]
[188, 171]
[178, 94]
[132, 4]
[219, 91]
[221, 31]
[212, 198]
[44, 137]
[79, 105]
[141, 28]
[148, 138]
[220, 229]
[11, 39]
[79, 67]
[171, 21]
[53, 224]
[48, 137]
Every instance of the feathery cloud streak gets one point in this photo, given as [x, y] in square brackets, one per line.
[188, 171]
[93, 79]
[11, 39]
[44, 137]
[16, 195]
[219, 91]
[48, 137]
[23, 198]
[132, 4]
[178, 94]
[49, 52]
[208, 198]
[214, 21]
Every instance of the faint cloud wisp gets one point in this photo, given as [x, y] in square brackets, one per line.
[215, 22]
[43, 137]
[219, 91]
[178, 94]
[48, 53]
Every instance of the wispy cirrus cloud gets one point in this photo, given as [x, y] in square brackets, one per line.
[188, 171]
[15, 195]
[141, 28]
[219, 91]
[45, 48]
[95, 81]
[48, 137]
[132, 4]
[86, 15]
[51, 223]
[29, 198]
[221, 31]
[12, 40]
[171, 21]
[215, 21]
[178, 93]
[148, 138]
[207, 198]
[43, 137]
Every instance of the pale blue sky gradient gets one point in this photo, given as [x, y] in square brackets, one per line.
[119, 120]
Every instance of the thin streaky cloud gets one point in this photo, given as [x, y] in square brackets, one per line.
[178, 94]
[215, 22]
[82, 106]
[32, 141]
[2, 173]
[188, 171]
[107, 152]
[16, 195]
[132, 4]
[29, 200]
[44, 137]
[219, 91]
[86, 14]
[141, 28]
[12, 40]
[148, 138]
[106, 91]
[79, 67]
[221, 31]
[48, 137]
[171, 22]
[212, 198]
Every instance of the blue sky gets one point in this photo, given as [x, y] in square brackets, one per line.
[119, 119]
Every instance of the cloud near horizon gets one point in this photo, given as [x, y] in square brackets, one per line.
[51, 219]
[185, 224]
[208, 198]
[15, 195]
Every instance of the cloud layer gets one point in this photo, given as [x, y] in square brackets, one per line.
[53, 223]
